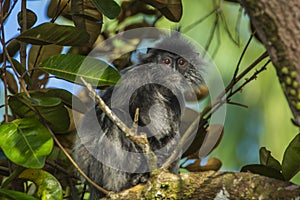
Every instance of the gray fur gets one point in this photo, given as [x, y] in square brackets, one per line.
[103, 152]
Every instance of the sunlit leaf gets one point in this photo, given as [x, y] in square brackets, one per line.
[60, 35]
[108, 7]
[15, 195]
[263, 170]
[51, 108]
[291, 159]
[70, 67]
[48, 186]
[268, 160]
[30, 16]
[26, 142]
[171, 9]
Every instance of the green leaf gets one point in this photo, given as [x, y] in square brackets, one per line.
[171, 9]
[51, 108]
[86, 16]
[291, 159]
[263, 170]
[48, 186]
[22, 72]
[26, 142]
[14, 195]
[31, 18]
[46, 102]
[10, 81]
[68, 99]
[13, 47]
[42, 53]
[38, 77]
[50, 33]
[108, 7]
[268, 160]
[62, 5]
[70, 67]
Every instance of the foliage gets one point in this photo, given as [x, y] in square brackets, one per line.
[39, 114]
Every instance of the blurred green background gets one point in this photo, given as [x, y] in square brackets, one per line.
[267, 120]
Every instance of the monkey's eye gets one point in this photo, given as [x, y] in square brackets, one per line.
[166, 61]
[181, 62]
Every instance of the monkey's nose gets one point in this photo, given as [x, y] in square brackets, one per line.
[174, 67]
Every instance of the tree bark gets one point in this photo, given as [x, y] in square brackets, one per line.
[210, 185]
[278, 26]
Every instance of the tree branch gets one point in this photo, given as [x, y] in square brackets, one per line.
[211, 185]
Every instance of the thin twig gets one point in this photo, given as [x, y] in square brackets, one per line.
[192, 25]
[215, 105]
[124, 128]
[10, 10]
[211, 35]
[223, 18]
[242, 56]
[233, 82]
[13, 175]
[63, 170]
[23, 28]
[20, 79]
[59, 12]
[114, 118]
[182, 141]
[4, 67]
[218, 42]
[135, 121]
[140, 140]
[239, 77]
[68, 155]
[237, 104]
[41, 46]
[237, 25]
[253, 77]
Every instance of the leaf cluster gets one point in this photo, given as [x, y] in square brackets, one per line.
[36, 115]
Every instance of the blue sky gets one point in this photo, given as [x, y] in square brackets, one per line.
[11, 29]
[11, 25]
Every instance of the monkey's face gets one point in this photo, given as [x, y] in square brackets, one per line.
[179, 55]
[168, 59]
[173, 61]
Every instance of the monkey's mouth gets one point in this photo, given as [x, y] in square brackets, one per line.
[197, 94]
